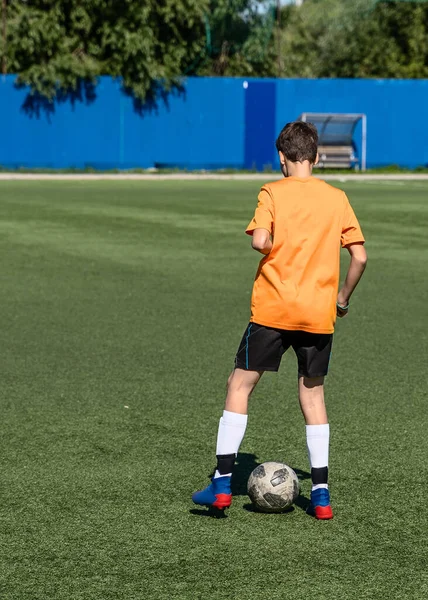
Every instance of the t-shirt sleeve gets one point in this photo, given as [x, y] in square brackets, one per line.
[351, 230]
[263, 217]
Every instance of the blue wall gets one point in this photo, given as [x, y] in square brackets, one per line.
[213, 123]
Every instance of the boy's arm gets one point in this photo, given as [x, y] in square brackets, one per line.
[261, 241]
[261, 225]
[356, 269]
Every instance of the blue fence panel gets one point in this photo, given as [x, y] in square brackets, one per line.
[201, 128]
[73, 135]
[396, 110]
[260, 126]
[212, 123]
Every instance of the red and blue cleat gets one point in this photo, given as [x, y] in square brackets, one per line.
[217, 495]
[320, 504]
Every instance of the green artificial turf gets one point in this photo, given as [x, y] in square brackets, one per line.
[122, 305]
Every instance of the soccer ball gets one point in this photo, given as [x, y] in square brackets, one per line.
[273, 487]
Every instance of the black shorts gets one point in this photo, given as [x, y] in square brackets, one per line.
[261, 349]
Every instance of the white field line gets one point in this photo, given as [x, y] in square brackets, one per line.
[196, 177]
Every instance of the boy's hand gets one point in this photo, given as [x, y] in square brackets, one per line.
[342, 311]
[342, 306]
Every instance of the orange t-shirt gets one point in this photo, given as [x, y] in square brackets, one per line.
[297, 282]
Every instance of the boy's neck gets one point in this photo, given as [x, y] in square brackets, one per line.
[301, 170]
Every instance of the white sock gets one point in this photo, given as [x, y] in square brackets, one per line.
[318, 439]
[231, 431]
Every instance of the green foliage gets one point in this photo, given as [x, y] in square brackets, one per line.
[395, 40]
[241, 35]
[54, 44]
[331, 38]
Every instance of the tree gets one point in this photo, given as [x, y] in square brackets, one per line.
[55, 45]
[240, 36]
[390, 42]
[363, 38]
[60, 47]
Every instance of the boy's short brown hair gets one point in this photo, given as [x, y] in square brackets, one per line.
[298, 141]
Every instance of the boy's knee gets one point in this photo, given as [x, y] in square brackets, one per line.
[234, 382]
[312, 382]
[229, 380]
[240, 380]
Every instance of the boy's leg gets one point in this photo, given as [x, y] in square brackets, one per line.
[233, 423]
[231, 431]
[313, 355]
[240, 386]
[311, 396]
[260, 350]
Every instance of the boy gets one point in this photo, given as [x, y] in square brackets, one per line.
[298, 226]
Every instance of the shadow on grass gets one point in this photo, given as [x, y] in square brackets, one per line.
[245, 465]
[302, 502]
[251, 508]
[214, 513]
[302, 475]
